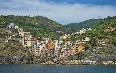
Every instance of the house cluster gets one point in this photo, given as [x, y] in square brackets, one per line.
[53, 50]
[46, 47]
[59, 49]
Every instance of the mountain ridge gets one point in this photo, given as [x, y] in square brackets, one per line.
[85, 24]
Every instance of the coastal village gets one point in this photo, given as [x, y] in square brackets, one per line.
[57, 36]
[49, 51]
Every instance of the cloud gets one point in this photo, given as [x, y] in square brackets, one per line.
[61, 12]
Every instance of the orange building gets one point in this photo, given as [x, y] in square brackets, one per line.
[71, 51]
[43, 51]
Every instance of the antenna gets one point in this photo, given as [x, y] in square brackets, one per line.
[99, 17]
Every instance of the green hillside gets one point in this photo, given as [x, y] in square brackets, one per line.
[102, 44]
[100, 47]
[105, 29]
[39, 26]
[85, 24]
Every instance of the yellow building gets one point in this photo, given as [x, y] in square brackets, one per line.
[64, 36]
[16, 27]
[51, 45]
[79, 49]
[21, 32]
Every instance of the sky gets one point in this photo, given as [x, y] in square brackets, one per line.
[62, 11]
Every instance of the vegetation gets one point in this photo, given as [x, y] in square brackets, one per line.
[104, 30]
[39, 26]
[85, 24]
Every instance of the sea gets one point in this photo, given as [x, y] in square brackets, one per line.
[36, 68]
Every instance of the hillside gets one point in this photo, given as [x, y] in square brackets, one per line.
[104, 30]
[103, 40]
[97, 43]
[102, 44]
[39, 26]
[85, 24]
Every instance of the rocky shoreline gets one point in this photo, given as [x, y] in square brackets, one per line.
[35, 60]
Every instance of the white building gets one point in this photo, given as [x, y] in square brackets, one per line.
[82, 31]
[10, 26]
[56, 47]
